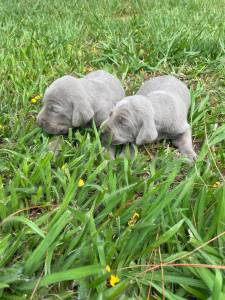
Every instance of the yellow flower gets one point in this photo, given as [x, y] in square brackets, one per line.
[35, 99]
[88, 69]
[1, 126]
[133, 220]
[107, 268]
[130, 223]
[135, 216]
[113, 280]
[216, 184]
[81, 183]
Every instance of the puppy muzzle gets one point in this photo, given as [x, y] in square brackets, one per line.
[54, 129]
[41, 120]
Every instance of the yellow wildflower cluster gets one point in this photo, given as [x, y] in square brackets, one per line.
[217, 184]
[81, 183]
[35, 99]
[133, 220]
[113, 279]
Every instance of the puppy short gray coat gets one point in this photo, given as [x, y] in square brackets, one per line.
[71, 102]
[158, 111]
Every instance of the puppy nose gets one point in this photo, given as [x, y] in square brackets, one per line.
[106, 130]
[106, 135]
[40, 120]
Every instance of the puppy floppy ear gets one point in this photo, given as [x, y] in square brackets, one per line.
[82, 115]
[148, 132]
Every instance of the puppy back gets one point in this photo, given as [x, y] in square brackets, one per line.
[168, 84]
[61, 86]
[111, 85]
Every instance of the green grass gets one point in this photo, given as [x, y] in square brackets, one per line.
[56, 238]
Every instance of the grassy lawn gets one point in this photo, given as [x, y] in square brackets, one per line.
[57, 236]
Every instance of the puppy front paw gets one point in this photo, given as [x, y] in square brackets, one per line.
[191, 156]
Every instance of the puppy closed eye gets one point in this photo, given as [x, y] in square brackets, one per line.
[55, 108]
[122, 121]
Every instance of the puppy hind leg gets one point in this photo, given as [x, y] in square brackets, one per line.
[184, 143]
[128, 151]
[112, 152]
[110, 149]
[55, 145]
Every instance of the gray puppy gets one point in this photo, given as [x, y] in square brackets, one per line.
[158, 111]
[71, 102]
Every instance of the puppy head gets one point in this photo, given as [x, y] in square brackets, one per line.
[130, 121]
[55, 116]
[63, 108]
[122, 125]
